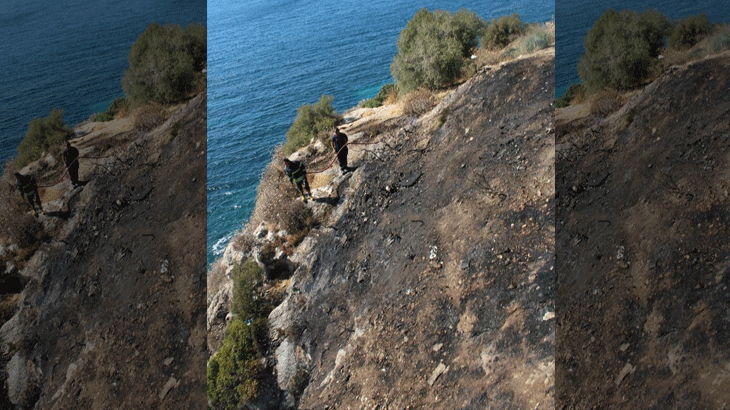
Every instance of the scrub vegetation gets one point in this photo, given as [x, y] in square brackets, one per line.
[166, 64]
[625, 49]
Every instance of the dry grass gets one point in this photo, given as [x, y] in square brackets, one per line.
[699, 51]
[605, 102]
[277, 201]
[149, 117]
[18, 225]
[536, 37]
[418, 102]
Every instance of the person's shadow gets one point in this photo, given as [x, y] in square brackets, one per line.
[59, 214]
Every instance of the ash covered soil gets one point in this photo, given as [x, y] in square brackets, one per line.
[431, 285]
[113, 311]
[643, 253]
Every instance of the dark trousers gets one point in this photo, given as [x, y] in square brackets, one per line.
[304, 184]
[342, 158]
[73, 173]
[34, 198]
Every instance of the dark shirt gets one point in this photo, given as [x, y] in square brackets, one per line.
[339, 139]
[26, 184]
[70, 154]
[296, 172]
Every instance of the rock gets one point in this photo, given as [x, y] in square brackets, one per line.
[171, 382]
[219, 305]
[628, 368]
[292, 366]
[22, 379]
[281, 320]
[261, 231]
[440, 369]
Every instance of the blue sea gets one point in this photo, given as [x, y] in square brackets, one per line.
[266, 58]
[71, 55]
[575, 17]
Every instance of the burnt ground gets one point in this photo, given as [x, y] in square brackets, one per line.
[643, 261]
[113, 313]
[432, 285]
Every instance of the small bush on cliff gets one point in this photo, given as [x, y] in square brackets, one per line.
[16, 223]
[621, 48]
[720, 42]
[235, 371]
[689, 31]
[247, 278]
[433, 48]
[502, 31]
[120, 106]
[165, 64]
[44, 135]
[312, 121]
[277, 200]
[385, 92]
[575, 93]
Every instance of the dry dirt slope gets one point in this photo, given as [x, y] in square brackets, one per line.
[431, 285]
[113, 315]
[643, 255]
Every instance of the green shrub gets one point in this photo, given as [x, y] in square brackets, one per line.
[433, 48]
[383, 94]
[537, 40]
[720, 42]
[312, 121]
[502, 31]
[118, 106]
[621, 48]
[44, 135]
[689, 31]
[575, 92]
[247, 278]
[235, 372]
[165, 64]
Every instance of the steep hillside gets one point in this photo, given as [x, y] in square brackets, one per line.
[112, 313]
[430, 282]
[643, 253]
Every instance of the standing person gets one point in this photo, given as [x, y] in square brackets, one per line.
[71, 160]
[29, 189]
[339, 145]
[297, 173]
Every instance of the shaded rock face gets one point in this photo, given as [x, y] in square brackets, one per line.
[643, 253]
[113, 314]
[431, 285]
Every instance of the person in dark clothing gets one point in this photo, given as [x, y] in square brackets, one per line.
[339, 145]
[297, 173]
[71, 160]
[29, 189]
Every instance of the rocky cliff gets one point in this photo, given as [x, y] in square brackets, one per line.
[643, 253]
[112, 314]
[430, 281]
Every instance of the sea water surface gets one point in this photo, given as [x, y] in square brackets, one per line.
[266, 58]
[71, 55]
[575, 17]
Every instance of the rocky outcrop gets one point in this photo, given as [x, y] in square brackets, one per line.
[430, 282]
[113, 312]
